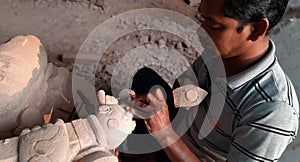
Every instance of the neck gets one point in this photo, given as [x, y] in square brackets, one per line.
[245, 60]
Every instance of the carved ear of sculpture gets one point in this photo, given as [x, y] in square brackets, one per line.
[50, 143]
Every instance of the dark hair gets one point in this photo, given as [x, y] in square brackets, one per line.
[248, 11]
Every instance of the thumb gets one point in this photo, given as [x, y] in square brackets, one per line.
[159, 95]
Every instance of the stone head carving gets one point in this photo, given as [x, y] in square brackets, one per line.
[116, 123]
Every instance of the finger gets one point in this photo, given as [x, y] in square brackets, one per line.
[140, 103]
[159, 95]
[101, 97]
[126, 94]
[132, 94]
[147, 125]
[155, 105]
[143, 113]
[116, 153]
[153, 100]
[141, 97]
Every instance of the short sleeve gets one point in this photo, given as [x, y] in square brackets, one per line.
[263, 132]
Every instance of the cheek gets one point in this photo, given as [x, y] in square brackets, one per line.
[222, 42]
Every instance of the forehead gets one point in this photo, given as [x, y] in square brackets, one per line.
[213, 10]
[212, 7]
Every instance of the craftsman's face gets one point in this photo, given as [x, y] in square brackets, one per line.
[223, 30]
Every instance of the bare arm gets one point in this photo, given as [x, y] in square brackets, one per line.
[159, 126]
[176, 148]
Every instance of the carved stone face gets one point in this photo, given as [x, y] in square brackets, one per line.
[118, 118]
[116, 124]
[29, 86]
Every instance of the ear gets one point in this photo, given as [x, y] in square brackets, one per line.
[259, 29]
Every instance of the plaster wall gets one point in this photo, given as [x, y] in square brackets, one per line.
[287, 41]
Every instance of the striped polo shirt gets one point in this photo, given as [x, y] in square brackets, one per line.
[259, 118]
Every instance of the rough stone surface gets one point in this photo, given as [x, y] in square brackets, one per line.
[63, 25]
[287, 40]
[9, 145]
[123, 53]
[90, 139]
[23, 60]
[19, 63]
[30, 87]
[41, 144]
[193, 2]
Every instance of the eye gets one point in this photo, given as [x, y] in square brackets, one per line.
[216, 28]
[105, 109]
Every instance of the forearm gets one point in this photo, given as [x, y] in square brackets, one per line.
[161, 129]
[178, 151]
[175, 148]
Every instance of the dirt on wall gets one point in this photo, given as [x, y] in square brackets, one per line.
[62, 25]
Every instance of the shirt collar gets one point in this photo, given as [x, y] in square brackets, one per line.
[239, 79]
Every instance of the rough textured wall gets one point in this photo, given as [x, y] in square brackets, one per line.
[62, 25]
[288, 52]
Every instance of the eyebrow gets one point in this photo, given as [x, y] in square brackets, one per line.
[208, 18]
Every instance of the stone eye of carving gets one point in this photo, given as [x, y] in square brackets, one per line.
[105, 110]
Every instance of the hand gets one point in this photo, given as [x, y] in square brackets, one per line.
[161, 119]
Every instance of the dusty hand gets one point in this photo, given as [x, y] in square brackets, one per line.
[161, 119]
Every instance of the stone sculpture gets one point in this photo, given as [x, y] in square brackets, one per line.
[29, 86]
[90, 139]
[93, 138]
[28, 89]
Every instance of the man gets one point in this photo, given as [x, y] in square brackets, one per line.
[261, 112]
